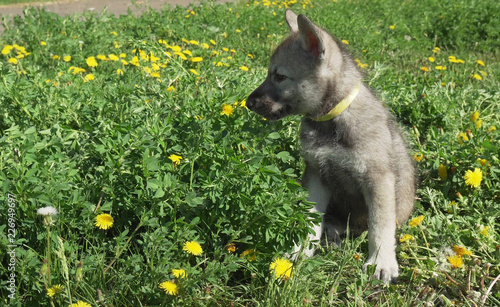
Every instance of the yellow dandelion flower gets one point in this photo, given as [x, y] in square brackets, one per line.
[418, 157]
[67, 58]
[416, 221]
[281, 268]
[119, 72]
[461, 250]
[492, 128]
[6, 49]
[405, 237]
[134, 61]
[12, 61]
[424, 68]
[435, 50]
[176, 48]
[231, 248]
[91, 62]
[180, 273]
[479, 123]
[250, 254]
[483, 73]
[196, 59]
[194, 71]
[175, 159]
[484, 230]
[89, 77]
[431, 59]
[483, 162]
[473, 178]
[193, 248]
[227, 110]
[43, 43]
[56, 289]
[187, 52]
[102, 57]
[55, 57]
[440, 67]
[344, 41]
[181, 55]
[442, 172]
[392, 27]
[123, 55]
[462, 136]
[477, 77]
[170, 89]
[243, 104]
[104, 221]
[480, 62]
[193, 42]
[81, 304]
[474, 116]
[76, 70]
[250, 55]
[113, 57]
[213, 42]
[169, 287]
[455, 261]
[244, 68]
[205, 46]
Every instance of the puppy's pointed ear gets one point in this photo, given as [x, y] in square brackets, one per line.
[311, 37]
[291, 20]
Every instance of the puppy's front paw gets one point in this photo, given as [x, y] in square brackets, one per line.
[386, 268]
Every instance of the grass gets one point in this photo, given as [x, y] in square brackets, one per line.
[143, 118]
[10, 2]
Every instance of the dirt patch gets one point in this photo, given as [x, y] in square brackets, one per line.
[116, 7]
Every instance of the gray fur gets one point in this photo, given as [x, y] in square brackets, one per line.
[357, 165]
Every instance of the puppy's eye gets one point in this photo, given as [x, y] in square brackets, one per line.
[279, 77]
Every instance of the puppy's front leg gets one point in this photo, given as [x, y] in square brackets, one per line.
[319, 194]
[381, 201]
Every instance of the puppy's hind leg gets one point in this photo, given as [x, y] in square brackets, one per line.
[334, 229]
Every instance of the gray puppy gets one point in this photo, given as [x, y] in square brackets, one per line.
[358, 170]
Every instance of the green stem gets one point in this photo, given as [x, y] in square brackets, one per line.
[123, 248]
[48, 255]
[425, 240]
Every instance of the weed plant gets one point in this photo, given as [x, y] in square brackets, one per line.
[169, 192]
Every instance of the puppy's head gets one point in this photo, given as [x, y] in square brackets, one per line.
[299, 75]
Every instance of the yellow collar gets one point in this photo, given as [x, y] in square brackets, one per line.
[341, 106]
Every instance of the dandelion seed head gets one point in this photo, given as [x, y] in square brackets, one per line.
[45, 211]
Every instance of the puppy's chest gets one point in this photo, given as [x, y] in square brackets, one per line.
[329, 155]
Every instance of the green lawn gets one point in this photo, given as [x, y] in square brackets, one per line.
[9, 2]
[142, 119]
